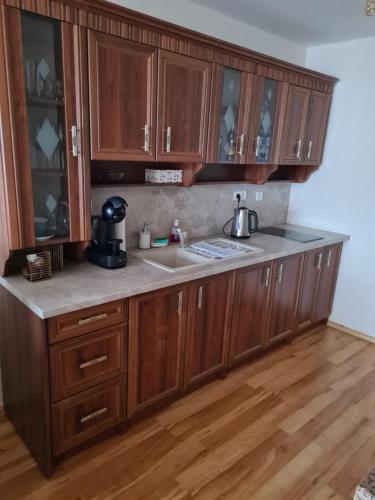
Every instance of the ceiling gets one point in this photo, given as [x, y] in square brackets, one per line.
[308, 22]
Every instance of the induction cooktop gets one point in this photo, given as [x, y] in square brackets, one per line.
[290, 234]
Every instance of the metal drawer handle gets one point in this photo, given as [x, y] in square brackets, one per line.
[242, 143]
[146, 143]
[169, 140]
[299, 149]
[319, 264]
[329, 258]
[94, 414]
[74, 132]
[267, 278]
[95, 361]
[257, 146]
[179, 306]
[280, 275]
[92, 318]
[309, 150]
[200, 297]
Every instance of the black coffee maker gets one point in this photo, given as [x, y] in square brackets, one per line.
[105, 248]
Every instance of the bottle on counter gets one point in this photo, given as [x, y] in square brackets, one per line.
[145, 237]
[174, 237]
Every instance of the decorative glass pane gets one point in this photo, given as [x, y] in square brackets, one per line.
[41, 40]
[229, 115]
[267, 120]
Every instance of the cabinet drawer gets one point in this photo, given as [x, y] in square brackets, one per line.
[78, 364]
[86, 320]
[79, 418]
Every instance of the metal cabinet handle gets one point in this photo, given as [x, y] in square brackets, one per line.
[299, 149]
[84, 321]
[280, 273]
[329, 258]
[257, 145]
[309, 150]
[146, 143]
[267, 277]
[179, 304]
[242, 144]
[319, 264]
[94, 414]
[92, 362]
[74, 132]
[200, 297]
[169, 139]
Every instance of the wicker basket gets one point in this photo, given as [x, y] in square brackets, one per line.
[40, 268]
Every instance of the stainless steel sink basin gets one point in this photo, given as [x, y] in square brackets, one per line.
[173, 259]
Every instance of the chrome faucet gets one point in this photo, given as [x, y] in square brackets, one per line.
[184, 242]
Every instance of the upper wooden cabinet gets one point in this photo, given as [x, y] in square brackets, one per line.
[304, 126]
[265, 116]
[183, 94]
[46, 178]
[229, 115]
[316, 126]
[209, 316]
[122, 80]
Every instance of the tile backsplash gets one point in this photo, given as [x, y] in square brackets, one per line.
[202, 210]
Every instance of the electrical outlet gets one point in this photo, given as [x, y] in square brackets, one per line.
[259, 196]
[243, 195]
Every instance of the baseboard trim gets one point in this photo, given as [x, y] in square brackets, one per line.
[355, 333]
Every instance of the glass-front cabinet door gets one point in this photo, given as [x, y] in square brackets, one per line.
[263, 129]
[41, 50]
[230, 100]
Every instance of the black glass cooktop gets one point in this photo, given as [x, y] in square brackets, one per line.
[290, 234]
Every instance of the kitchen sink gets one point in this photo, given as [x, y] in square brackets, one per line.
[175, 258]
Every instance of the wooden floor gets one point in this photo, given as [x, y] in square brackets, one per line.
[297, 424]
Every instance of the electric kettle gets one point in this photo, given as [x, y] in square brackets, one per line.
[244, 222]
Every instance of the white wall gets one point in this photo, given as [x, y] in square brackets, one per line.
[341, 195]
[196, 17]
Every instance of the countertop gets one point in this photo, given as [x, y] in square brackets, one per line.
[83, 285]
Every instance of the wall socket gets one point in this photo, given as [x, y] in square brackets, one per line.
[259, 196]
[243, 195]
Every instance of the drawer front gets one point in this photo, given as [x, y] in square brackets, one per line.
[81, 417]
[81, 363]
[86, 320]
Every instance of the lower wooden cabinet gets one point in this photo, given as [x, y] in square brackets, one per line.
[209, 315]
[249, 311]
[157, 329]
[327, 282]
[286, 274]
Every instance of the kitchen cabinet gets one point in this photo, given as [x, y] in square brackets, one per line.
[327, 283]
[229, 115]
[122, 80]
[249, 311]
[285, 282]
[46, 121]
[157, 336]
[294, 125]
[316, 126]
[209, 316]
[183, 94]
[265, 116]
[304, 126]
[309, 288]
[317, 285]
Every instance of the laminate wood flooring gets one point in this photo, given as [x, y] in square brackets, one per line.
[298, 423]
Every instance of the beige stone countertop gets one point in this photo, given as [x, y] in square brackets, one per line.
[84, 285]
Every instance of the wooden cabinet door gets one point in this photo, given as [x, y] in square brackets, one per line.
[229, 115]
[182, 108]
[284, 295]
[45, 98]
[327, 284]
[210, 308]
[157, 323]
[122, 78]
[309, 288]
[294, 125]
[249, 311]
[316, 125]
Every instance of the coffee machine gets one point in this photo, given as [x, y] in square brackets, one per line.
[105, 247]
